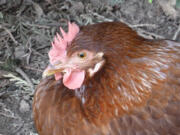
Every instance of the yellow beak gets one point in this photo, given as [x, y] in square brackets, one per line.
[51, 70]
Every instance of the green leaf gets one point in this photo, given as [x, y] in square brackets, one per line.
[1, 15]
[178, 3]
[150, 1]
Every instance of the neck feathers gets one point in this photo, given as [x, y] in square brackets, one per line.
[125, 82]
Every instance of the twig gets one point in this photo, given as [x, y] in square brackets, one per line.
[37, 25]
[30, 50]
[2, 93]
[38, 53]
[19, 128]
[149, 34]
[132, 25]
[2, 62]
[10, 34]
[10, 114]
[24, 75]
[176, 33]
[143, 25]
[42, 47]
[34, 69]
[7, 112]
[6, 115]
[100, 16]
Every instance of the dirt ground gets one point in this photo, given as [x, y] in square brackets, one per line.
[27, 27]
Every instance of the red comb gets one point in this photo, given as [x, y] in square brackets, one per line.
[59, 45]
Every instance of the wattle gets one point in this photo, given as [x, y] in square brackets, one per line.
[73, 79]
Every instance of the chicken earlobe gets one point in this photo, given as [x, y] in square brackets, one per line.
[96, 68]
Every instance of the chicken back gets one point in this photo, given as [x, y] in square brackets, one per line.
[104, 79]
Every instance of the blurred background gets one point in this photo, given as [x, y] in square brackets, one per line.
[27, 28]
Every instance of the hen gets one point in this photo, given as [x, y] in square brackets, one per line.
[104, 79]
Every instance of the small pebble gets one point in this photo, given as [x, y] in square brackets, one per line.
[24, 106]
[26, 97]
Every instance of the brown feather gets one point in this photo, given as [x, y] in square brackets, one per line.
[136, 92]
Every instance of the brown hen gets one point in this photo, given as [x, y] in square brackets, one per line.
[109, 81]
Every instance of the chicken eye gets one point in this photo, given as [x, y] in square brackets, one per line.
[82, 55]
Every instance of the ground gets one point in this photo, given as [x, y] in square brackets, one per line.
[27, 28]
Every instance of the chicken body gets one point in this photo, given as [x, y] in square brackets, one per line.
[136, 92]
